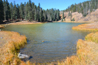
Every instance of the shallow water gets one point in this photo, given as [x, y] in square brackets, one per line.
[50, 41]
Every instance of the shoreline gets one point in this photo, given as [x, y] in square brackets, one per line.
[10, 44]
[87, 27]
[20, 23]
[24, 22]
[85, 49]
[86, 52]
[77, 21]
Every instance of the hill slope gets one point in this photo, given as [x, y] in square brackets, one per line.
[82, 12]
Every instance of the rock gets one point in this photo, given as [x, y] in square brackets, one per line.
[1, 37]
[42, 41]
[22, 56]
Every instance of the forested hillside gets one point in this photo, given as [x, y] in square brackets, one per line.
[26, 11]
[84, 8]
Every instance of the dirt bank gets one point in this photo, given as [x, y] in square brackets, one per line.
[24, 22]
[87, 27]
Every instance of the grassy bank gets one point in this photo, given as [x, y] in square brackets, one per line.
[87, 27]
[87, 52]
[10, 44]
[1, 26]
[78, 21]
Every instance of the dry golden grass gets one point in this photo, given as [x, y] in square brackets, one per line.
[87, 27]
[24, 22]
[1, 26]
[87, 51]
[10, 43]
[92, 37]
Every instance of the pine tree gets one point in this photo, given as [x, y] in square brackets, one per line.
[21, 10]
[30, 10]
[11, 10]
[5, 9]
[63, 15]
[58, 14]
[26, 10]
[1, 11]
[41, 15]
[14, 12]
[85, 7]
[18, 13]
[35, 15]
[33, 11]
[38, 12]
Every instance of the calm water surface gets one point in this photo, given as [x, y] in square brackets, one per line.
[50, 41]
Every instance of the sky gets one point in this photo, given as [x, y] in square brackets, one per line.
[48, 4]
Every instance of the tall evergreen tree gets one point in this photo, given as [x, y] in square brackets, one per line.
[39, 12]
[41, 15]
[14, 12]
[33, 11]
[1, 11]
[11, 10]
[18, 13]
[5, 9]
[28, 11]
[21, 9]
[35, 15]
[63, 14]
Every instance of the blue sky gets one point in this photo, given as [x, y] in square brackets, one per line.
[48, 4]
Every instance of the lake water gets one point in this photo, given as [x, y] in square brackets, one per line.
[50, 41]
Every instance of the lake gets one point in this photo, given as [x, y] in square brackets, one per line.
[50, 41]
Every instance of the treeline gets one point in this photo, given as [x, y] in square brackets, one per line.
[84, 8]
[27, 11]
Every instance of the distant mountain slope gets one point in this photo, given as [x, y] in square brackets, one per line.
[92, 17]
[82, 12]
[84, 8]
